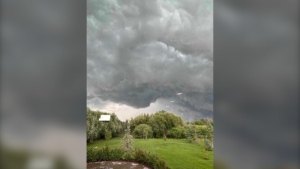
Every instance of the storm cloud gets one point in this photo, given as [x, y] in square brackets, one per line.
[140, 52]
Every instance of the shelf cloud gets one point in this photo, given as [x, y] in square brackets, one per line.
[141, 52]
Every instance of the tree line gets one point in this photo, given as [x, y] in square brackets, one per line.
[99, 130]
[164, 124]
[161, 124]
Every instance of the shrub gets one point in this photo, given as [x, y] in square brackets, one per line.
[177, 132]
[198, 122]
[149, 159]
[197, 131]
[202, 131]
[191, 133]
[104, 154]
[208, 144]
[91, 155]
[140, 156]
[128, 156]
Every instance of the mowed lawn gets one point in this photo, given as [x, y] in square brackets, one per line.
[177, 153]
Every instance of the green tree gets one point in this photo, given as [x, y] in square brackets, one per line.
[96, 130]
[143, 131]
[191, 133]
[198, 122]
[140, 119]
[162, 121]
[209, 137]
[127, 142]
[93, 127]
[177, 132]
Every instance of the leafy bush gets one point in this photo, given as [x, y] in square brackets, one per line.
[177, 132]
[140, 119]
[128, 156]
[198, 122]
[143, 157]
[208, 144]
[198, 131]
[104, 154]
[149, 159]
[162, 122]
[191, 133]
[91, 155]
[143, 131]
[202, 131]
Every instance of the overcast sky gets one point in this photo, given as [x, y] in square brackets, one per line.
[144, 56]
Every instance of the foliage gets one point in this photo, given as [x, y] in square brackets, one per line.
[107, 135]
[209, 131]
[177, 153]
[143, 131]
[140, 119]
[177, 132]
[198, 122]
[91, 155]
[140, 156]
[191, 133]
[127, 143]
[150, 159]
[104, 154]
[207, 121]
[209, 137]
[203, 121]
[208, 144]
[96, 130]
[194, 132]
[162, 121]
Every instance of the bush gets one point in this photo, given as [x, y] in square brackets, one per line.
[143, 131]
[198, 122]
[91, 155]
[191, 133]
[143, 157]
[128, 156]
[149, 159]
[104, 154]
[202, 131]
[197, 131]
[208, 145]
[177, 132]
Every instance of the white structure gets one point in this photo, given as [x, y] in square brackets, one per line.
[104, 118]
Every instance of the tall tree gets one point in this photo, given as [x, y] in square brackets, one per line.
[97, 130]
[142, 131]
[162, 121]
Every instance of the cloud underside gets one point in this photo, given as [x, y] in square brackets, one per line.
[140, 52]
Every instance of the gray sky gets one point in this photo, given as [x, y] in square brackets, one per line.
[141, 54]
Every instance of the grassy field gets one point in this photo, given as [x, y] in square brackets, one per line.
[178, 154]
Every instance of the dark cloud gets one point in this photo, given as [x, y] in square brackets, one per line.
[141, 51]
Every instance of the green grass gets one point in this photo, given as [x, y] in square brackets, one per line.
[177, 153]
